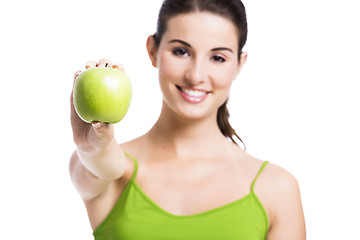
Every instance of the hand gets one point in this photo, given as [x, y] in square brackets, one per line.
[96, 135]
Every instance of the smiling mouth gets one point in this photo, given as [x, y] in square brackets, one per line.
[192, 92]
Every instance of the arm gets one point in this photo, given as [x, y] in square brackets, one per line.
[106, 167]
[288, 217]
[98, 160]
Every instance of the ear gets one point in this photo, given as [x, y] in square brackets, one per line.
[152, 49]
[242, 61]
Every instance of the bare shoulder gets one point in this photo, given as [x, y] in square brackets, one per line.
[278, 180]
[279, 192]
[133, 149]
[276, 186]
[134, 146]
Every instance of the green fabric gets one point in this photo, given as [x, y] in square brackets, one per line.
[136, 216]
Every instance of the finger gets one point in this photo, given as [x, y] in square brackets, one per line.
[77, 73]
[90, 64]
[101, 135]
[104, 62]
[119, 66]
[72, 108]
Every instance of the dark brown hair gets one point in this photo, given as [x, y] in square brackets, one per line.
[233, 10]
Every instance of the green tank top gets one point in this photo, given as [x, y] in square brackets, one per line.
[136, 217]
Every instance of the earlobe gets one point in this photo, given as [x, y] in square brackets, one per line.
[152, 49]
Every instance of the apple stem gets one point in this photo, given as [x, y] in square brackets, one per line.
[106, 64]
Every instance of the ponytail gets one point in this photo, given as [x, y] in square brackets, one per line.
[224, 125]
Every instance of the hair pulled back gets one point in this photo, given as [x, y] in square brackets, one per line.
[233, 10]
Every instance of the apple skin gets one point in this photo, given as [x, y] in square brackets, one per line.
[102, 94]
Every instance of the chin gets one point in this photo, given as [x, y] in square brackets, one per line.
[194, 112]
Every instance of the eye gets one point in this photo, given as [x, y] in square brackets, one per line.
[218, 58]
[180, 52]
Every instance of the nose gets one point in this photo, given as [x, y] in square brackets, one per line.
[195, 73]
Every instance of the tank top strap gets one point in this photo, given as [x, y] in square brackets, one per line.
[257, 175]
[135, 166]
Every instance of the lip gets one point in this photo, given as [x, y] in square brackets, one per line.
[198, 96]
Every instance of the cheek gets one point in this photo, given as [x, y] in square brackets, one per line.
[223, 78]
[169, 70]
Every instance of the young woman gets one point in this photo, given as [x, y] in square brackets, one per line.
[184, 179]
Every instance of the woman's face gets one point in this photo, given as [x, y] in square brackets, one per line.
[197, 62]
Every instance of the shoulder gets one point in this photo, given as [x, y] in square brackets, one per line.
[272, 177]
[278, 180]
[134, 146]
[277, 187]
[279, 192]
[273, 181]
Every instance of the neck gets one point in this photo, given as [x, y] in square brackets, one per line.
[182, 137]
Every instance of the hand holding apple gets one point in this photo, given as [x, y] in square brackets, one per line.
[102, 94]
[94, 135]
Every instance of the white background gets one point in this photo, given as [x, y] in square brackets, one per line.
[295, 104]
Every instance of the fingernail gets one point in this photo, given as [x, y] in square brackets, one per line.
[119, 67]
[97, 125]
[77, 74]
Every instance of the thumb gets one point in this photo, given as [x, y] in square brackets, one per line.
[97, 125]
[103, 133]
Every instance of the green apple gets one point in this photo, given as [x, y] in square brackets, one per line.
[102, 94]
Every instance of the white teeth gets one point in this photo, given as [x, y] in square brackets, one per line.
[193, 93]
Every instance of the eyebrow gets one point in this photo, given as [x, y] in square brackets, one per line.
[180, 41]
[221, 49]
[188, 45]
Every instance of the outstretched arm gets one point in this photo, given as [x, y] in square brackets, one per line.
[98, 159]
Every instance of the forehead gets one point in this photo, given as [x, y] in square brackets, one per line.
[202, 29]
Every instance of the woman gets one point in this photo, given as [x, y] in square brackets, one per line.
[184, 179]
